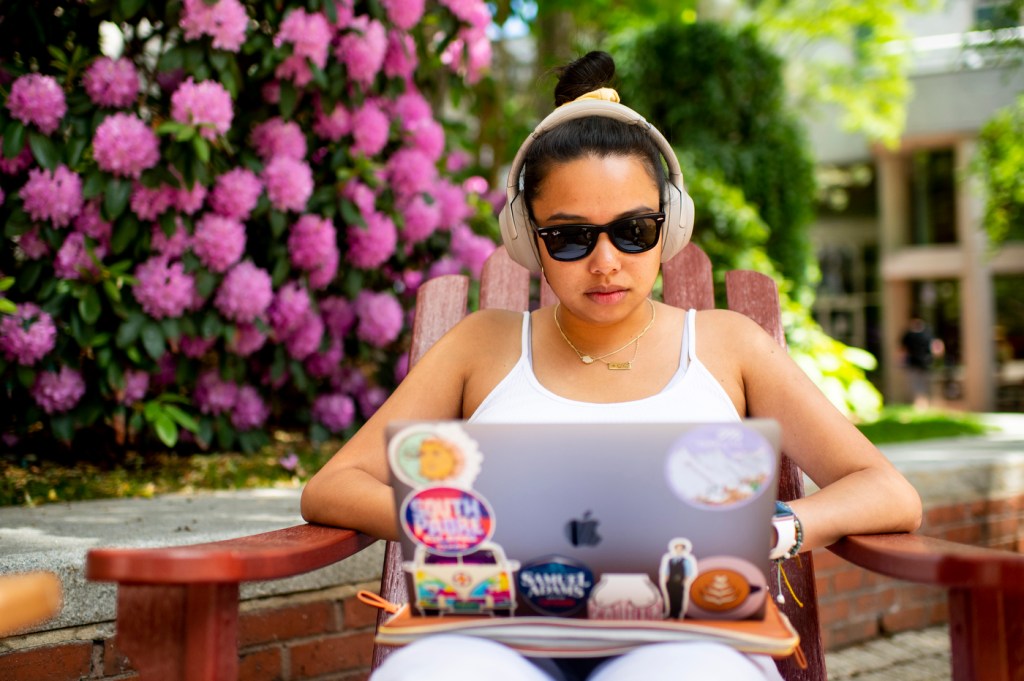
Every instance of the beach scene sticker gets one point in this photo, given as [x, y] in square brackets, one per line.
[439, 454]
[720, 465]
[447, 520]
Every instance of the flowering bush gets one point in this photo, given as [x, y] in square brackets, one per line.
[219, 221]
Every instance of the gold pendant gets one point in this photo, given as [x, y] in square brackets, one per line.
[586, 359]
[620, 366]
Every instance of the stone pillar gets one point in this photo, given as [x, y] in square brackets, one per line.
[896, 293]
[977, 304]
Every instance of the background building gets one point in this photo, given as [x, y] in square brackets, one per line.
[899, 232]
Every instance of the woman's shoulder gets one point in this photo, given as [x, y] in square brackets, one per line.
[728, 329]
[484, 329]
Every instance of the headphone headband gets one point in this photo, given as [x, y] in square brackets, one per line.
[514, 219]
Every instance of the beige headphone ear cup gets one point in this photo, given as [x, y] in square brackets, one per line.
[679, 217]
[517, 234]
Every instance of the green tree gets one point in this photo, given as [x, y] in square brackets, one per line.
[998, 164]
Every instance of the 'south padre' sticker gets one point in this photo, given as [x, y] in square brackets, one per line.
[556, 585]
[447, 520]
[719, 465]
[434, 454]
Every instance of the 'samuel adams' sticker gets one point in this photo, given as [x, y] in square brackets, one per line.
[447, 520]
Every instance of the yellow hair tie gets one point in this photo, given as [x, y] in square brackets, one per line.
[606, 94]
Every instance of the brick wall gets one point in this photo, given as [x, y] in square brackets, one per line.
[856, 605]
[321, 635]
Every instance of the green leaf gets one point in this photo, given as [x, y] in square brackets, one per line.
[153, 339]
[7, 307]
[14, 139]
[172, 329]
[93, 185]
[110, 288]
[124, 234]
[76, 147]
[18, 223]
[211, 326]
[130, 8]
[202, 147]
[206, 281]
[116, 197]
[278, 223]
[44, 150]
[90, 306]
[288, 99]
[166, 430]
[26, 376]
[130, 329]
[182, 418]
[63, 427]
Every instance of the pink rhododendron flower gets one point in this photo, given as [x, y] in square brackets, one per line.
[380, 317]
[304, 340]
[421, 219]
[410, 108]
[310, 36]
[338, 314]
[457, 160]
[250, 411]
[90, 223]
[164, 289]
[225, 21]
[332, 126]
[362, 50]
[58, 391]
[206, 105]
[471, 249]
[427, 136]
[37, 100]
[277, 137]
[404, 13]
[73, 259]
[173, 246]
[218, 241]
[136, 383]
[400, 60]
[324, 274]
[470, 11]
[247, 340]
[311, 238]
[371, 246]
[195, 347]
[14, 166]
[370, 128]
[364, 198]
[289, 183]
[334, 411]
[451, 199]
[32, 245]
[327, 363]
[213, 394]
[289, 308]
[125, 146]
[444, 265]
[189, 200]
[401, 367]
[27, 335]
[245, 293]
[148, 203]
[236, 193]
[410, 172]
[345, 9]
[475, 185]
[370, 400]
[55, 196]
[111, 82]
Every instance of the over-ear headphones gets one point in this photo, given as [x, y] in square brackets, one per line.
[514, 219]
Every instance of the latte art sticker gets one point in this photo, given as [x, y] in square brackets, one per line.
[447, 520]
[720, 465]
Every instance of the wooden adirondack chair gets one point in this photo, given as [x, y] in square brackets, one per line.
[177, 610]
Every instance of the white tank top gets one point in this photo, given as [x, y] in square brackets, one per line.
[693, 395]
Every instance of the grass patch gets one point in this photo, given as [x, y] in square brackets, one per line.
[287, 462]
[905, 424]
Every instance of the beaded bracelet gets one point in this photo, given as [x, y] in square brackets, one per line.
[784, 515]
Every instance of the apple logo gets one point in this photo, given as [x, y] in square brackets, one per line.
[583, 531]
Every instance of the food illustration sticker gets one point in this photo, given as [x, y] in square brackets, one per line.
[719, 465]
[625, 596]
[676, 573]
[435, 454]
[726, 587]
[447, 520]
[556, 585]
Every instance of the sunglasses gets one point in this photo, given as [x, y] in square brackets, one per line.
[635, 234]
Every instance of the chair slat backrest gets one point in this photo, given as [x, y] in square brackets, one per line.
[687, 283]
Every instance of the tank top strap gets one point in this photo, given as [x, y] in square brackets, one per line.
[690, 341]
[527, 350]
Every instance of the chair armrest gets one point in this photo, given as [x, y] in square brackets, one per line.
[271, 555]
[927, 560]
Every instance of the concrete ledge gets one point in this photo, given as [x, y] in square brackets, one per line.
[56, 537]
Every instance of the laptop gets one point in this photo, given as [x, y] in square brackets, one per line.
[634, 521]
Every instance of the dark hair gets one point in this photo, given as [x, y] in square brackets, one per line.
[590, 136]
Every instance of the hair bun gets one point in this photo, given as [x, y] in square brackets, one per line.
[592, 71]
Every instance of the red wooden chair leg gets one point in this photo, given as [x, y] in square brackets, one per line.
[986, 631]
[180, 632]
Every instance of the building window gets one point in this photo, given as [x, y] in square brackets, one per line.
[933, 201]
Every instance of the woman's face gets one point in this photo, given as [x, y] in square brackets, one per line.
[607, 284]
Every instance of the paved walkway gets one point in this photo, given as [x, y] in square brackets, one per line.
[908, 656]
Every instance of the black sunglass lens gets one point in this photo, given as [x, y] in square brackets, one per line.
[636, 235]
[571, 243]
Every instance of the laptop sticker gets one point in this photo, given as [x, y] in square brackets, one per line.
[447, 520]
[726, 587]
[479, 582]
[720, 465]
[625, 596]
[556, 585]
[435, 454]
[676, 573]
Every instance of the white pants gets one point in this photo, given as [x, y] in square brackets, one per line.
[450, 657]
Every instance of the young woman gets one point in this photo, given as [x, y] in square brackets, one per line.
[597, 215]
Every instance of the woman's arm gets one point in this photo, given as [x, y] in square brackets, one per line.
[861, 492]
[352, 489]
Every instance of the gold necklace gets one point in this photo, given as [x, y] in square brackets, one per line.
[614, 366]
